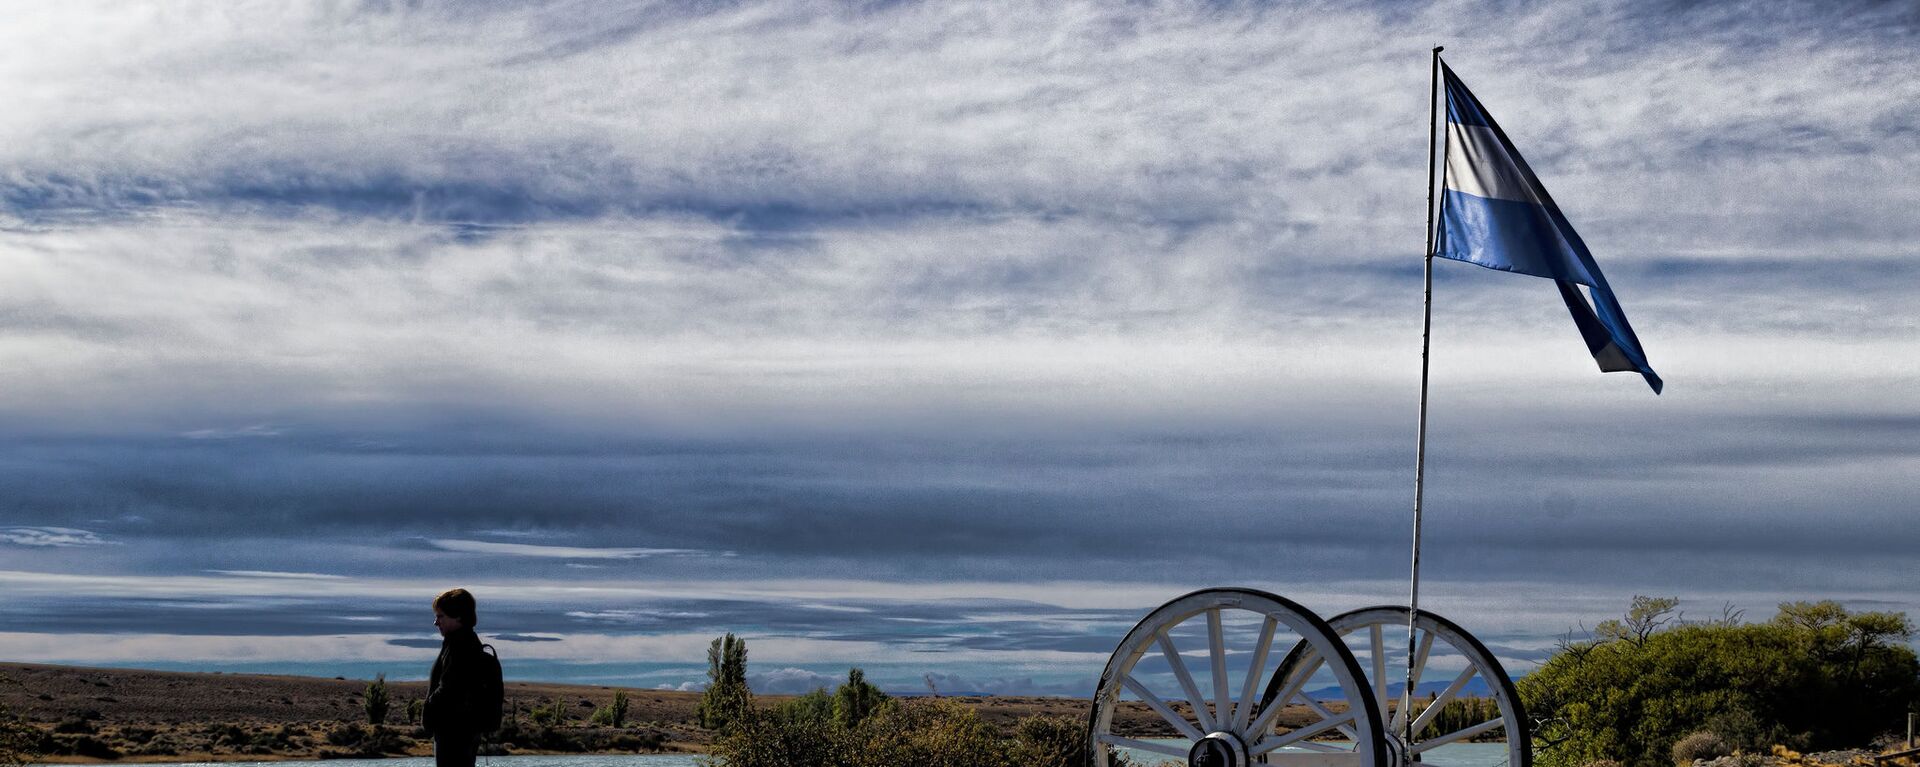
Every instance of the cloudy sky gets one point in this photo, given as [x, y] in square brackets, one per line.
[947, 339]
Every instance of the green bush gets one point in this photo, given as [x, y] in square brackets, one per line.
[816, 706]
[88, 746]
[613, 714]
[19, 742]
[549, 716]
[377, 700]
[856, 700]
[934, 733]
[1054, 741]
[1461, 713]
[1815, 677]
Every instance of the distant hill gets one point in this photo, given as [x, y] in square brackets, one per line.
[1474, 688]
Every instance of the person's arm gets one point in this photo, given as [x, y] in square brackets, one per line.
[446, 701]
[453, 699]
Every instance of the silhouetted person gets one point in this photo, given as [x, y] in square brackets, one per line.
[454, 685]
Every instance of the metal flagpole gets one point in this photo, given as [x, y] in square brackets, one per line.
[1420, 449]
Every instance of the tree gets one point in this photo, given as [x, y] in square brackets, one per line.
[1815, 677]
[1645, 615]
[1811, 616]
[727, 697]
[377, 701]
[856, 700]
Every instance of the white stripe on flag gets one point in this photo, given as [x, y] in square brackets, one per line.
[1478, 165]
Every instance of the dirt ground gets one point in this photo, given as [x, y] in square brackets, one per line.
[140, 715]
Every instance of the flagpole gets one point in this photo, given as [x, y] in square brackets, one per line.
[1420, 448]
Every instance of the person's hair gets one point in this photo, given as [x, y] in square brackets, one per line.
[457, 604]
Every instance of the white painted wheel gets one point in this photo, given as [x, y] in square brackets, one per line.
[1235, 631]
[1377, 637]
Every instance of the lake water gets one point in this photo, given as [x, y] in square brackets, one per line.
[1455, 755]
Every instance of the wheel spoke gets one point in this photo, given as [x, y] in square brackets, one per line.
[1325, 713]
[1194, 699]
[1143, 745]
[1467, 732]
[1217, 652]
[1299, 680]
[1446, 696]
[1379, 665]
[1281, 741]
[1245, 709]
[1160, 707]
[1413, 684]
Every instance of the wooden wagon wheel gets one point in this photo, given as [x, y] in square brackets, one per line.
[1218, 729]
[1379, 634]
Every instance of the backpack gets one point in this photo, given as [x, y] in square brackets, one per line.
[489, 693]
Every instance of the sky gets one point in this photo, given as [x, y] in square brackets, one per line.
[943, 339]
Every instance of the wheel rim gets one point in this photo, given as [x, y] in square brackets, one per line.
[1238, 631]
[1439, 646]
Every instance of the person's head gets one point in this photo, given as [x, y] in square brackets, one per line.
[453, 610]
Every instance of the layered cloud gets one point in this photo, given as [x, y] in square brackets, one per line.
[345, 301]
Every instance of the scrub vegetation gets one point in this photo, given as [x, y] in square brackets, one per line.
[857, 725]
[1652, 689]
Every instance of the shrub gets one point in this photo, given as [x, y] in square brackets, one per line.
[19, 742]
[377, 700]
[549, 716]
[1051, 740]
[1700, 745]
[815, 706]
[92, 747]
[787, 736]
[613, 714]
[649, 740]
[347, 735]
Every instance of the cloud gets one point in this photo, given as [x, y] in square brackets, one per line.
[790, 681]
[955, 684]
[56, 537]
[277, 574]
[924, 301]
[257, 430]
[556, 552]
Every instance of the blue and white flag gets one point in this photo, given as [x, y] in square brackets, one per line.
[1496, 214]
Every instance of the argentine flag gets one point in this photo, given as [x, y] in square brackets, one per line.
[1496, 214]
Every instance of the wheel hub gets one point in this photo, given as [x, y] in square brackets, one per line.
[1218, 749]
